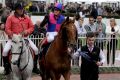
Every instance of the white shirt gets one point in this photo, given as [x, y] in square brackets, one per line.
[80, 29]
[109, 32]
[117, 29]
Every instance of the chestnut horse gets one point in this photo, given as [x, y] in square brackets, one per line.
[57, 61]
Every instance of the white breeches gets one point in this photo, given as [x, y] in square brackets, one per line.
[51, 35]
[8, 47]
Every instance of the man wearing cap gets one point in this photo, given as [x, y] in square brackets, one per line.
[18, 23]
[53, 21]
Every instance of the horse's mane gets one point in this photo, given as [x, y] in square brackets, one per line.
[67, 21]
[64, 25]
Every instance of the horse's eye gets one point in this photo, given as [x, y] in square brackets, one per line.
[13, 41]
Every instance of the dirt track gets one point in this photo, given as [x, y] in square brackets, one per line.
[77, 77]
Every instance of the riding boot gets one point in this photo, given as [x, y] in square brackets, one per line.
[6, 65]
[45, 49]
[35, 68]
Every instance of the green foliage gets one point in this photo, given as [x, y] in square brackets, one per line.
[76, 70]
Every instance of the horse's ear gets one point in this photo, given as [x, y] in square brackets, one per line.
[67, 19]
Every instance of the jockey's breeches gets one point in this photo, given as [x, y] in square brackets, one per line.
[50, 36]
[9, 43]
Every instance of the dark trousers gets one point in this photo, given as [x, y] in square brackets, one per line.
[111, 46]
[91, 73]
[100, 45]
[44, 50]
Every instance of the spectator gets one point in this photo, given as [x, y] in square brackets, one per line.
[100, 11]
[112, 32]
[33, 8]
[101, 28]
[91, 27]
[79, 25]
[3, 35]
[94, 13]
[4, 16]
[37, 29]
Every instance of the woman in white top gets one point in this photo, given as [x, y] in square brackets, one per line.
[112, 32]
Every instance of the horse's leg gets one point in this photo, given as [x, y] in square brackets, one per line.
[55, 76]
[9, 77]
[66, 75]
[52, 75]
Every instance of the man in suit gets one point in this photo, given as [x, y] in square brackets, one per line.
[92, 58]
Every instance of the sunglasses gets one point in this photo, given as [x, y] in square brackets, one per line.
[56, 9]
[91, 20]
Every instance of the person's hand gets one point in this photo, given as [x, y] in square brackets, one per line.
[100, 29]
[46, 16]
[24, 32]
[99, 63]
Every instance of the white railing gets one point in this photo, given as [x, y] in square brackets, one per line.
[81, 41]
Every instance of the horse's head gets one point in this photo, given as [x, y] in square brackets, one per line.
[68, 32]
[16, 47]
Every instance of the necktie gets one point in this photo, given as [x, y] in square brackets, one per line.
[90, 49]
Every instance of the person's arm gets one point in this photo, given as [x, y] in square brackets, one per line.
[35, 32]
[76, 54]
[45, 20]
[102, 58]
[30, 28]
[9, 27]
[84, 30]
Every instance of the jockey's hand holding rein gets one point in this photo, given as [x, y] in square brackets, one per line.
[24, 32]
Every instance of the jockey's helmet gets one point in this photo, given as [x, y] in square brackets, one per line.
[58, 6]
[18, 6]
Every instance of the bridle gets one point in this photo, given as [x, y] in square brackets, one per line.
[19, 59]
[70, 44]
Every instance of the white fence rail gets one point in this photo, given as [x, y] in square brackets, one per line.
[106, 45]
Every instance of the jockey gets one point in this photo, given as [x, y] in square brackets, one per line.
[18, 23]
[53, 21]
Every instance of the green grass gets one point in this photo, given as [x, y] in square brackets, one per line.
[76, 70]
[2, 77]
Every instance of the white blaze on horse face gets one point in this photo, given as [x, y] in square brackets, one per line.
[16, 43]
